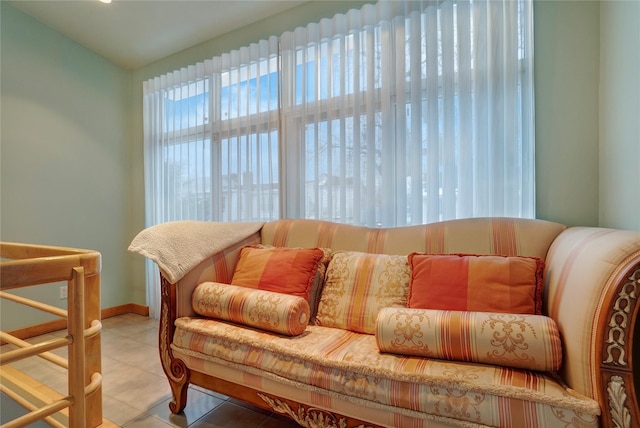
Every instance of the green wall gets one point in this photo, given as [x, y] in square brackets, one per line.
[65, 164]
[587, 63]
[71, 170]
[619, 153]
[566, 87]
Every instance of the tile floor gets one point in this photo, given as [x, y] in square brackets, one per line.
[135, 392]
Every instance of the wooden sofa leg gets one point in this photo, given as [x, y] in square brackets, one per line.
[179, 381]
[174, 368]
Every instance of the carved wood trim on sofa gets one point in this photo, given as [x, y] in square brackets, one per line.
[616, 340]
[174, 368]
[310, 417]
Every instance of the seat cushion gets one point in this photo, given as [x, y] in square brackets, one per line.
[349, 363]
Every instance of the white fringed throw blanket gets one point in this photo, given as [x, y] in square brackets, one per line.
[178, 246]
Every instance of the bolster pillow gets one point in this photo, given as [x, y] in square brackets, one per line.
[512, 340]
[266, 310]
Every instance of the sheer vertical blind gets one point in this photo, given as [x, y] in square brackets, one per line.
[395, 114]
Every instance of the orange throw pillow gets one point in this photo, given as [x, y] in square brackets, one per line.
[279, 269]
[462, 282]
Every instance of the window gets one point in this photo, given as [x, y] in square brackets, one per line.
[246, 129]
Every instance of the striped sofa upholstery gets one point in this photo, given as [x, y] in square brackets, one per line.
[335, 377]
[505, 236]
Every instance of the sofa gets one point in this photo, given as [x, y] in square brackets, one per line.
[499, 322]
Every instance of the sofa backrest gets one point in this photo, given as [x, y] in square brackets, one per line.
[504, 236]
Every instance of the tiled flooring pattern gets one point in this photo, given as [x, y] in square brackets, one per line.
[135, 392]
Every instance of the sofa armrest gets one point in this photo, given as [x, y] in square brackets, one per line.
[216, 268]
[176, 302]
[593, 281]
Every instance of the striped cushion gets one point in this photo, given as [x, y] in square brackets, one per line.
[266, 310]
[512, 340]
[283, 270]
[349, 367]
[489, 283]
[358, 285]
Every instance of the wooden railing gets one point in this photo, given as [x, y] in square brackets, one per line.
[25, 265]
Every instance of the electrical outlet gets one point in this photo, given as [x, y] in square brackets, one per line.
[63, 292]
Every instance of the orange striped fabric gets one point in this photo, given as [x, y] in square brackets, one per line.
[225, 261]
[462, 282]
[512, 409]
[358, 285]
[281, 234]
[581, 245]
[350, 366]
[434, 239]
[283, 270]
[276, 312]
[504, 236]
[305, 233]
[512, 340]
[326, 233]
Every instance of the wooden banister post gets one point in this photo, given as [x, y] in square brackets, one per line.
[93, 349]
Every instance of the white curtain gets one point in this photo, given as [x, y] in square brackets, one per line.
[211, 143]
[410, 112]
[398, 113]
